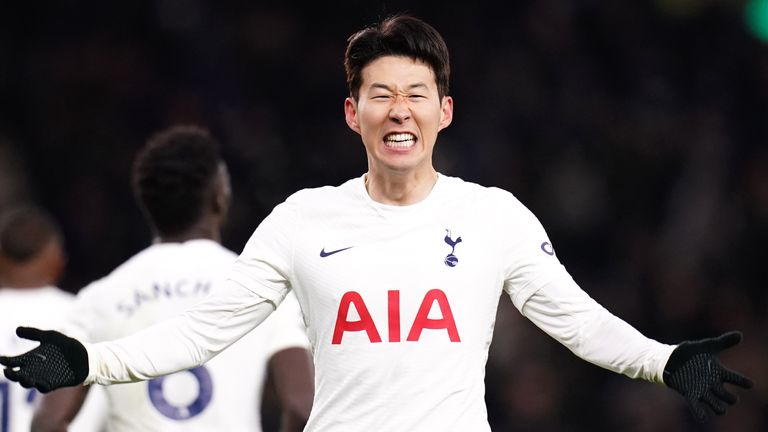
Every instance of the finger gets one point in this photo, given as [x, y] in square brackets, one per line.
[724, 395]
[43, 387]
[720, 343]
[19, 376]
[713, 403]
[699, 411]
[11, 361]
[11, 374]
[25, 382]
[736, 378]
[30, 333]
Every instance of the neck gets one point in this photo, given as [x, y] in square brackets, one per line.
[400, 190]
[24, 281]
[200, 231]
[25, 276]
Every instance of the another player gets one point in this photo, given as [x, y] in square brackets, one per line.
[182, 186]
[398, 273]
[32, 260]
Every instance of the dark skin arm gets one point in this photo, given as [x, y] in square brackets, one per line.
[293, 376]
[58, 408]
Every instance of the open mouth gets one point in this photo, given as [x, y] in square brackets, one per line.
[400, 140]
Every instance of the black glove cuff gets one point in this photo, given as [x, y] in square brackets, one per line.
[677, 359]
[687, 376]
[78, 359]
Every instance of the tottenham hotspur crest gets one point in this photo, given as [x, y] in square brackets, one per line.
[450, 259]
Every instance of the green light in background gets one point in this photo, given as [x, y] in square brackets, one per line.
[756, 14]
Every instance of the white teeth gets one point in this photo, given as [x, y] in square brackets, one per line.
[400, 140]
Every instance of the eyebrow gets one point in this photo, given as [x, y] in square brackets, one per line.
[410, 87]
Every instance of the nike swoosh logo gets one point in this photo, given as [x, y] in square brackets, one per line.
[44, 358]
[324, 254]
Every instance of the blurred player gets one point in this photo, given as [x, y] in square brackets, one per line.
[32, 260]
[398, 273]
[182, 186]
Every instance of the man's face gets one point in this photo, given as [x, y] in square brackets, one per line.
[398, 114]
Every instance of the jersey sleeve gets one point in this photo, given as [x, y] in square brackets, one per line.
[528, 257]
[545, 293]
[265, 265]
[289, 330]
[185, 341]
[573, 318]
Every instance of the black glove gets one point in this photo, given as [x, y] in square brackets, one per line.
[694, 372]
[59, 361]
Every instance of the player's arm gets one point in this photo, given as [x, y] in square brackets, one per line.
[568, 314]
[543, 291]
[180, 343]
[57, 409]
[573, 318]
[183, 342]
[292, 374]
[257, 283]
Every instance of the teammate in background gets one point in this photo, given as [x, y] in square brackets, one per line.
[398, 273]
[32, 261]
[182, 186]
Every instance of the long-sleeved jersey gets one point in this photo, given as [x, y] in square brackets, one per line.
[399, 303]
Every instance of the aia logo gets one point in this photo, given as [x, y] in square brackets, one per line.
[450, 259]
[421, 322]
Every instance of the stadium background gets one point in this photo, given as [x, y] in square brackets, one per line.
[636, 131]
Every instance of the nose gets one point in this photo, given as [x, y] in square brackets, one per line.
[400, 111]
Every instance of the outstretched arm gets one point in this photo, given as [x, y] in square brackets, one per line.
[180, 343]
[568, 314]
[183, 342]
[57, 409]
[545, 293]
[573, 318]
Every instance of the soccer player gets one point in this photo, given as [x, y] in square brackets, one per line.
[183, 188]
[32, 260]
[398, 273]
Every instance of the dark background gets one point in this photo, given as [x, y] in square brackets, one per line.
[636, 131]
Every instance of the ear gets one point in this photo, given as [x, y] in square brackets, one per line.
[446, 112]
[51, 261]
[350, 114]
[220, 202]
[59, 265]
[222, 194]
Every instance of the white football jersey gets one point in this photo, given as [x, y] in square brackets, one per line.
[160, 282]
[42, 308]
[400, 301]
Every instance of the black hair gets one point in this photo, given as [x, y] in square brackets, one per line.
[25, 231]
[398, 35]
[173, 175]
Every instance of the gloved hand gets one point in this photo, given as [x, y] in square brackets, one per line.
[693, 371]
[58, 361]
